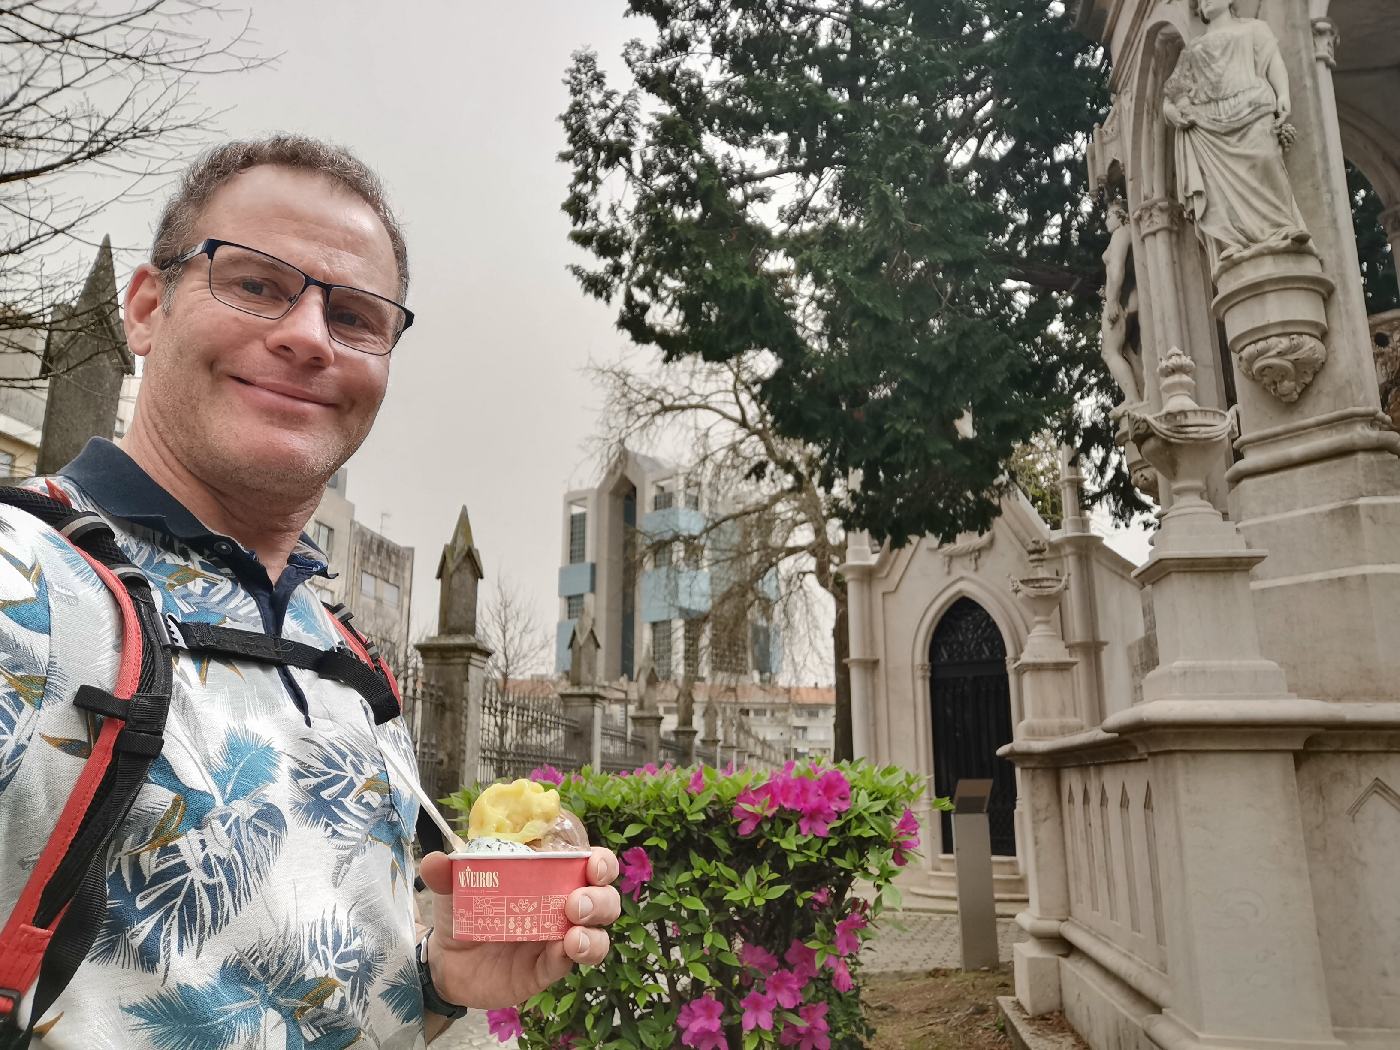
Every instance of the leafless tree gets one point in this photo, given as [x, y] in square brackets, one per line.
[770, 540]
[96, 105]
[520, 644]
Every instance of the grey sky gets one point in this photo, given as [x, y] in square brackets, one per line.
[455, 104]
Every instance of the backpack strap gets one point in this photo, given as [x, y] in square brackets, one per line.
[62, 906]
[372, 681]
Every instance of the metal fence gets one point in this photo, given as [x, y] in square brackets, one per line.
[521, 733]
[621, 749]
[425, 713]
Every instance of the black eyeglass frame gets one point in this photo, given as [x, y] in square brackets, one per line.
[211, 244]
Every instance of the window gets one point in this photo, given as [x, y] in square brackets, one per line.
[663, 556]
[800, 732]
[578, 534]
[323, 536]
[694, 631]
[367, 584]
[661, 649]
[575, 606]
[389, 593]
[692, 498]
[664, 499]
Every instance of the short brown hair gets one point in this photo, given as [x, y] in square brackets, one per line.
[175, 230]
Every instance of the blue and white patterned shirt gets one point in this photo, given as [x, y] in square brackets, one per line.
[261, 891]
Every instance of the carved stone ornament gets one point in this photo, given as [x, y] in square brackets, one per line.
[1385, 345]
[972, 549]
[1157, 215]
[1283, 364]
[1325, 41]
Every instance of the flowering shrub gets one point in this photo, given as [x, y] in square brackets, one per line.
[741, 924]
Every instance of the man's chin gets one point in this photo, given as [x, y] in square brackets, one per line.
[293, 467]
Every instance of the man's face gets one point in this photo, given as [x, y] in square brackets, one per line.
[245, 402]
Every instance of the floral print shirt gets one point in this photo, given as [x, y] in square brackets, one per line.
[260, 892]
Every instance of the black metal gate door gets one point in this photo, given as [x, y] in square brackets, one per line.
[971, 700]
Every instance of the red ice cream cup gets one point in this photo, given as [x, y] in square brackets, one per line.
[514, 896]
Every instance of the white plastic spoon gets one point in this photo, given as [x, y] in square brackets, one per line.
[429, 807]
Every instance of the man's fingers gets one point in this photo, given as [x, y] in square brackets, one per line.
[594, 907]
[602, 867]
[587, 947]
[436, 872]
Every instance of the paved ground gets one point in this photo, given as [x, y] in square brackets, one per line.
[926, 941]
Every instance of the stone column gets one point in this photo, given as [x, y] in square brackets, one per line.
[1047, 673]
[456, 666]
[1221, 730]
[1074, 545]
[583, 706]
[857, 569]
[648, 724]
[1319, 482]
[685, 741]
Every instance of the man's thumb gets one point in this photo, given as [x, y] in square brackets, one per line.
[436, 872]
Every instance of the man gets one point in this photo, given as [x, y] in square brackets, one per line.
[261, 890]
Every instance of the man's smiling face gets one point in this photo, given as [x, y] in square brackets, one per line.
[245, 401]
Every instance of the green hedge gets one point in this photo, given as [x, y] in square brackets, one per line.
[740, 928]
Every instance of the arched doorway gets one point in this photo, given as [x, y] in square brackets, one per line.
[971, 700]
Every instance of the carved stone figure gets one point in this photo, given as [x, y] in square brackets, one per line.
[1228, 99]
[1120, 306]
[1385, 343]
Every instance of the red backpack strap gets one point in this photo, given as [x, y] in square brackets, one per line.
[363, 648]
[52, 927]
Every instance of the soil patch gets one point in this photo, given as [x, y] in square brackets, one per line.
[937, 1010]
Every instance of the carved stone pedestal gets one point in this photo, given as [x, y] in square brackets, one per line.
[1274, 309]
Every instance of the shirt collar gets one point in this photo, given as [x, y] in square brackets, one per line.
[115, 483]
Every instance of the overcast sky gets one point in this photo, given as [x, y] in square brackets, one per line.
[456, 105]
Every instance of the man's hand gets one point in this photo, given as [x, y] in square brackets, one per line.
[491, 975]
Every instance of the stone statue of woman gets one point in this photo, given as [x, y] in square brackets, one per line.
[1228, 99]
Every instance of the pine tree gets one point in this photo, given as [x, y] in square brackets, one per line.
[884, 203]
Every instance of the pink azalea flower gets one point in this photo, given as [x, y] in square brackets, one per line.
[802, 959]
[847, 939]
[822, 897]
[751, 808]
[504, 1024]
[547, 775]
[811, 1032]
[728, 769]
[786, 987]
[648, 770]
[700, 1024]
[835, 789]
[840, 974]
[697, 781]
[636, 871]
[761, 959]
[758, 1011]
[906, 837]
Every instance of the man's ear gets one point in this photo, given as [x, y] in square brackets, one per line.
[143, 298]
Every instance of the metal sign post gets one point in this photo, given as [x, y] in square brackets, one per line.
[972, 856]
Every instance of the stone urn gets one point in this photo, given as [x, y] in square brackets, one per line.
[1273, 305]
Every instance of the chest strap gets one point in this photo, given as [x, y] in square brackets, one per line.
[337, 664]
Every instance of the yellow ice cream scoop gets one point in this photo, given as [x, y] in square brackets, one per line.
[520, 811]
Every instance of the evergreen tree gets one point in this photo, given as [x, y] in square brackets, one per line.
[881, 201]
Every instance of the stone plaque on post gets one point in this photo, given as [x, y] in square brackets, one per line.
[972, 857]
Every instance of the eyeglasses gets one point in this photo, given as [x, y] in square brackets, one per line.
[256, 283]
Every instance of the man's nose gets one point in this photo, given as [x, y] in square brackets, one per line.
[302, 332]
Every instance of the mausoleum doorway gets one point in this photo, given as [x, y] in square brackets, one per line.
[971, 717]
